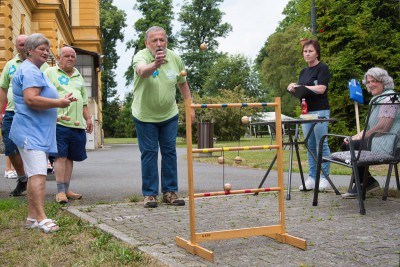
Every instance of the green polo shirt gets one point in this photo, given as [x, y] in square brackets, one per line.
[154, 96]
[9, 70]
[65, 85]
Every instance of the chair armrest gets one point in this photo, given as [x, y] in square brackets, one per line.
[348, 137]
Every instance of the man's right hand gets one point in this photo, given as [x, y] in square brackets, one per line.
[159, 59]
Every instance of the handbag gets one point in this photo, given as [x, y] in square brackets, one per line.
[355, 91]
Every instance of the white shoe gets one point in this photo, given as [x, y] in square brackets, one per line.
[310, 184]
[324, 184]
[10, 175]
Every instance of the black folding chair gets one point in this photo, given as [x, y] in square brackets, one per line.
[376, 149]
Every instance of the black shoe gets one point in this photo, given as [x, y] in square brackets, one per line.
[352, 193]
[21, 187]
[372, 186]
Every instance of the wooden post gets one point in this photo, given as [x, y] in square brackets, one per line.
[357, 116]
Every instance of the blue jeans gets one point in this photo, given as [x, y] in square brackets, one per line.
[320, 129]
[150, 137]
[9, 147]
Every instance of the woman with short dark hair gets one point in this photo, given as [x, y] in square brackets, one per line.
[315, 77]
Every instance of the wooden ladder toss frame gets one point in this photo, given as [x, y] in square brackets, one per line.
[277, 232]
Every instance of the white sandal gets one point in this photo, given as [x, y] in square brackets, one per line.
[32, 223]
[48, 226]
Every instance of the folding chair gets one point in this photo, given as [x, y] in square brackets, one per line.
[375, 149]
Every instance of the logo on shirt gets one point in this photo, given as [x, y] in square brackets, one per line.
[155, 73]
[171, 75]
[12, 70]
[63, 80]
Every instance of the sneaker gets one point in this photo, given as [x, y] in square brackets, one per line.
[373, 185]
[10, 175]
[310, 184]
[61, 198]
[352, 193]
[21, 187]
[150, 202]
[324, 184]
[72, 195]
[172, 198]
[50, 168]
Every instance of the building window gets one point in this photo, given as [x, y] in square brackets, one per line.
[85, 65]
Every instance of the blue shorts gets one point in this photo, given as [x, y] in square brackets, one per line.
[9, 147]
[71, 143]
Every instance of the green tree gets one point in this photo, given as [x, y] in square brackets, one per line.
[227, 121]
[125, 126]
[111, 115]
[230, 72]
[201, 23]
[112, 21]
[155, 13]
[281, 66]
[354, 36]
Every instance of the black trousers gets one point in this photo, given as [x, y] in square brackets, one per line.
[361, 170]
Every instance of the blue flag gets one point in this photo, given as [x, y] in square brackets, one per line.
[356, 91]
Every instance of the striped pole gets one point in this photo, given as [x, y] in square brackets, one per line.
[235, 192]
[218, 149]
[233, 105]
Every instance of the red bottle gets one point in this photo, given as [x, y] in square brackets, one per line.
[304, 107]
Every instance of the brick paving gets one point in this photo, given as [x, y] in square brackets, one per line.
[336, 234]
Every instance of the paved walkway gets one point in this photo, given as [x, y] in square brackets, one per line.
[335, 232]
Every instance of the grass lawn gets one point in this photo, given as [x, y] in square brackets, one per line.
[77, 243]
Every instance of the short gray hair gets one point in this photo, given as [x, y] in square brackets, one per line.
[154, 29]
[62, 48]
[380, 75]
[34, 40]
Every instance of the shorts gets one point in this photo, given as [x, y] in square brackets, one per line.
[71, 143]
[35, 161]
[9, 147]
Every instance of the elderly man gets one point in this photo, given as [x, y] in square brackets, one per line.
[72, 122]
[6, 94]
[155, 113]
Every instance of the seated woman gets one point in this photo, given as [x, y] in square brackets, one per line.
[378, 83]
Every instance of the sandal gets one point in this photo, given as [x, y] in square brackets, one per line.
[48, 226]
[31, 223]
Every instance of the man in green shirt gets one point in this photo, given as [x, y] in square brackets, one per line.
[73, 122]
[6, 94]
[155, 113]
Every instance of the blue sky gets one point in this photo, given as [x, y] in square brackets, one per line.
[252, 21]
